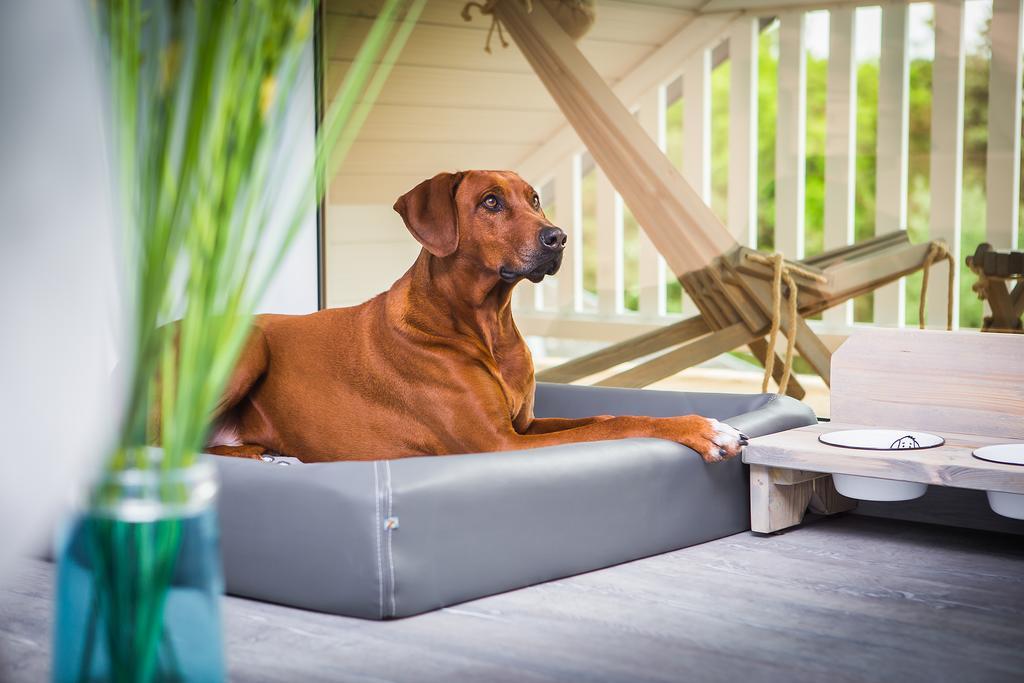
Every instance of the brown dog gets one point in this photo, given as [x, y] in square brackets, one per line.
[435, 365]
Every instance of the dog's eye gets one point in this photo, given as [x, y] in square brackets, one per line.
[491, 203]
[536, 202]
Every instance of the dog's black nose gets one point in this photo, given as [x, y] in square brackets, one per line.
[552, 238]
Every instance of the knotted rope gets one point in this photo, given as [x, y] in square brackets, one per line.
[782, 272]
[487, 7]
[937, 252]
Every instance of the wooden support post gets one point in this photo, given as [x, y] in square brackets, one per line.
[779, 498]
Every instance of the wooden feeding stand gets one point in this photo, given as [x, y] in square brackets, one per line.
[967, 388]
[743, 296]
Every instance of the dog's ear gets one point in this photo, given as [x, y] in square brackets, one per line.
[430, 213]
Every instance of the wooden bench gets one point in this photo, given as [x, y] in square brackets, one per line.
[964, 386]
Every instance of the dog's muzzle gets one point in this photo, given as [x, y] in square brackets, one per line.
[547, 265]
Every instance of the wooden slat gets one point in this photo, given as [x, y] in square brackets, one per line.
[1002, 172]
[891, 149]
[743, 60]
[631, 349]
[569, 217]
[947, 150]
[426, 86]
[407, 123]
[455, 47]
[426, 158]
[840, 142]
[863, 275]
[790, 139]
[619, 26]
[652, 118]
[687, 355]
[948, 465]
[861, 249]
[934, 380]
[609, 246]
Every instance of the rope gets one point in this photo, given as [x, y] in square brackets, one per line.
[937, 252]
[782, 272]
[487, 7]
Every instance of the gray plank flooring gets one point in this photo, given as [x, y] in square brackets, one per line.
[840, 599]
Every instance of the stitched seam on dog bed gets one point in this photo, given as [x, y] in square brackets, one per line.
[378, 525]
[391, 555]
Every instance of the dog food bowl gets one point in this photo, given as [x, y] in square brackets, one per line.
[881, 439]
[873, 488]
[1001, 502]
[1007, 504]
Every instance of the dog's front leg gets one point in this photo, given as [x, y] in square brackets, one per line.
[711, 439]
[546, 425]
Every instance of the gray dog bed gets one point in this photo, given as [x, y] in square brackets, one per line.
[394, 538]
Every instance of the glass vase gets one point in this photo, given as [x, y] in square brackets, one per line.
[139, 581]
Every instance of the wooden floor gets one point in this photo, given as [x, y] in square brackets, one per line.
[841, 599]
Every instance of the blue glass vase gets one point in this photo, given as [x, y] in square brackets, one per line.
[139, 581]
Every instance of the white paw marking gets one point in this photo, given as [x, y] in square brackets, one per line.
[725, 437]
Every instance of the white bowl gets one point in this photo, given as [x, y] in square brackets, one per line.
[1007, 504]
[873, 488]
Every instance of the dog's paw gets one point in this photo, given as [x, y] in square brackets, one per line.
[715, 441]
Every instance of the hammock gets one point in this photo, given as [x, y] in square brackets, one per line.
[738, 291]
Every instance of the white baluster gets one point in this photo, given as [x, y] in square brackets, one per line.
[652, 118]
[1004, 86]
[609, 246]
[791, 135]
[947, 150]
[840, 142]
[743, 44]
[697, 133]
[569, 217]
[891, 150]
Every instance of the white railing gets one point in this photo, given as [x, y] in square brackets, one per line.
[563, 308]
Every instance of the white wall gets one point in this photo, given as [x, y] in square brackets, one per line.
[368, 248]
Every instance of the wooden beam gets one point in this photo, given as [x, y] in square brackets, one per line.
[891, 149]
[688, 355]
[631, 349]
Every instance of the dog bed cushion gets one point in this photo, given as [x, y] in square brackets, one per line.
[394, 538]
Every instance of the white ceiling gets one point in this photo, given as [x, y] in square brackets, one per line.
[449, 105]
